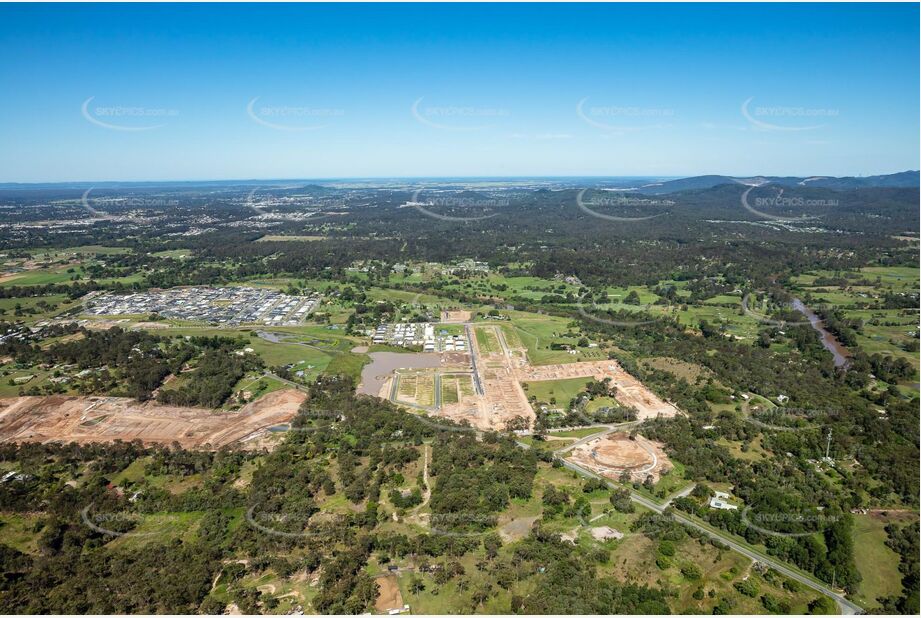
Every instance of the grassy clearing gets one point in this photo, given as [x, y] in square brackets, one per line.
[577, 433]
[18, 531]
[878, 565]
[487, 341]
[449, 390]
[536, 332]
[556, 392]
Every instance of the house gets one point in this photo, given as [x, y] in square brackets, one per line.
[721, 501]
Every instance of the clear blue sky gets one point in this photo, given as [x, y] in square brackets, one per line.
[506, 90]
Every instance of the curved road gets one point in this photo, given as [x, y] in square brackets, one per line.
[846, 606]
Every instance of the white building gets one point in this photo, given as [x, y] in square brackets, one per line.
[721, 501]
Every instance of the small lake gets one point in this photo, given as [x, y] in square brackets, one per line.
[838, 351]
[384, 363]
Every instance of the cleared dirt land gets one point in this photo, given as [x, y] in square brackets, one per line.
[630, 391]
[106, 419]
[616, 453]
[388, 594]
[502, 369]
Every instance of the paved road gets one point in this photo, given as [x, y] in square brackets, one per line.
[472, 346]
[846, 606]
[607, 429]
[299, 387]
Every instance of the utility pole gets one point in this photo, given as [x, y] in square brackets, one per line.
[828, 443]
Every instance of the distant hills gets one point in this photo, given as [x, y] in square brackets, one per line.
[650, 186]
[907, 179]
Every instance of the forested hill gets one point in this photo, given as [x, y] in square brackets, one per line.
[897, 180]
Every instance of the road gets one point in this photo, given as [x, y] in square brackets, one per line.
[609, 429]
[472, 346]
[299, 387]
[846, 606]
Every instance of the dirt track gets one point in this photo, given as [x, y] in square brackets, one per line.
[106, 419]
[616, 453]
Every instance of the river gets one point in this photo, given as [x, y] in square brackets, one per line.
[838, 351]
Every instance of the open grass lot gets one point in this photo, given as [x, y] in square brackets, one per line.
[634, 559]
[735, 323]
[577, 433]
[496, 285]
[11, 372]
[487, 340]
[18, 531]
[310, 348]
[409, 298]
[681, 369]
[417, 388]
[878, 565]
[259, 385]
[536, 332]
[450, 389]
[159, 528]
[34, 309]
[41, 276]
[556, 392]
[173, 253]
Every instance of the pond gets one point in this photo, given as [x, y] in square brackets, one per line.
[384, 363]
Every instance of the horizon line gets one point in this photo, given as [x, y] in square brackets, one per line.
[443, 177]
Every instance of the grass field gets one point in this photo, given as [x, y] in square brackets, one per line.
[18, 531]
[417, 388]
[487, 340]
[558, 392]
[577, 433]
[536, 332]
[38, 277]
[878, 565]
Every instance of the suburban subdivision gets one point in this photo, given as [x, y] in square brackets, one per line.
[301, 429]
[454, 308]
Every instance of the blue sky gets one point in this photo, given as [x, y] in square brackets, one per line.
[112, 92]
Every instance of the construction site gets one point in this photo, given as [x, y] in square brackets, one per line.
[484, 387]
[63, 419]
[614, 454]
